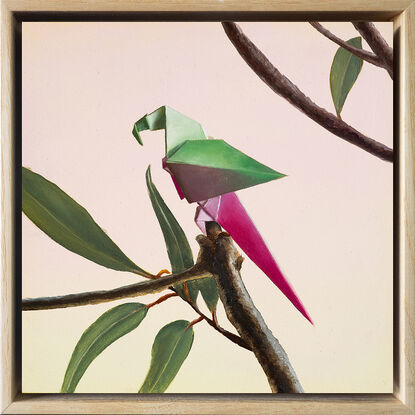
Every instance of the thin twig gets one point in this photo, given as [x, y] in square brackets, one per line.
[360, 53]
[377, 43]
[281, 85]
[231, 336]
[132, 290]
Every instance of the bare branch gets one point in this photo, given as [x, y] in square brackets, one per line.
[132, 290]
[281, 85]
[377, 43]
[360, 53]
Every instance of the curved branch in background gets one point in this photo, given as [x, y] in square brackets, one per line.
[360, 53]
[281, 85]
[96, 297]
[377, 43]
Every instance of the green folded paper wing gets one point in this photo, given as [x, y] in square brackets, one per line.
[227, 168]
[191, 158]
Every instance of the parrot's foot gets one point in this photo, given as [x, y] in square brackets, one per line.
[160, 273]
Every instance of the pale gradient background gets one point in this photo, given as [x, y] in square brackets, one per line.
[329, 223]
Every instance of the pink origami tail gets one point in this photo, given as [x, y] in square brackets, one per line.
[228, 211]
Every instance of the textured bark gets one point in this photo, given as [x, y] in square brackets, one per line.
[242, 313]
[218, 257]
[96, 297]
[281, 85]
[377, 43]
[361, 53]
[134, 290]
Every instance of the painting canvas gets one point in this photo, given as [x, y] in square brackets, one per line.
[207, 207]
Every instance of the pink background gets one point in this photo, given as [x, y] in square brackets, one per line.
[329, 223]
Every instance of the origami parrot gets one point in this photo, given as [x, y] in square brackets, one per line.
[208, 172]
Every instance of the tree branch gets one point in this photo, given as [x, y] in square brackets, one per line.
[377, 43]
[360, 53]
[132, 290]
[281, 85]
[242, 313]
[213, 323]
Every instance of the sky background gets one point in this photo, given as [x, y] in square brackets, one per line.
[328, 223]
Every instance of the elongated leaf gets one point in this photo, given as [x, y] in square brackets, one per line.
[178, 248]
[69, 224]
[112, 325]
[170, 349]
[343, 74]
[209, 290]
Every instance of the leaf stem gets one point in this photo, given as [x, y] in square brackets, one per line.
[195, 321]
[187, 293]
[214, 317]
[162, 299]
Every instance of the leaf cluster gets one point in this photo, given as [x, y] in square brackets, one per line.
[69, 224]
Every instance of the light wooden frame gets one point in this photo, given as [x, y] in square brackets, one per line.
[402, 401]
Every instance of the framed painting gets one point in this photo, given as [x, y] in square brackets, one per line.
[207, 208]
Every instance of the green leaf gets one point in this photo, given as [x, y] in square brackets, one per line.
[69, 224]
[170, 349]
[343, 74]
[112, 325]
[178, 248]
[209, 290]
[192, 287]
